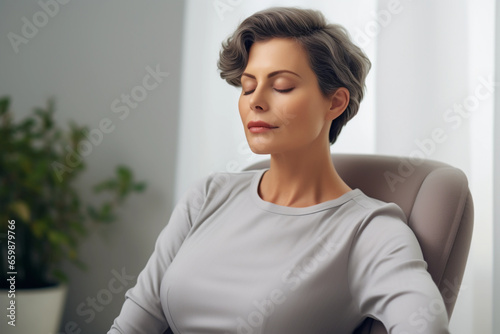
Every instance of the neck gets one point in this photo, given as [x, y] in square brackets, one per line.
[302, 179]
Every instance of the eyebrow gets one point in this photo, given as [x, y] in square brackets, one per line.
[272, 74]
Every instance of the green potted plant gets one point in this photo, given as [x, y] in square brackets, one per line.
[42, 217]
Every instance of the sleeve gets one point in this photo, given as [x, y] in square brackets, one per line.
[388, 276]
[142, 311]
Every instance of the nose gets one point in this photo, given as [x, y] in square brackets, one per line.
[258, 101]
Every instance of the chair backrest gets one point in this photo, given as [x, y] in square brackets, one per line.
[437, 202]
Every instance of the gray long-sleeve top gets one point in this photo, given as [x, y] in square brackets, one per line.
[230, 262]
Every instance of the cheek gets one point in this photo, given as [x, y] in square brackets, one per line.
[296, 111]
[240, 108]
[287, 113]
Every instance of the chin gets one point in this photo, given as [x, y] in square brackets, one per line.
[260, 148]
[266, 145]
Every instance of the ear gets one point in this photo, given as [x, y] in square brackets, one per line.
[338, 103]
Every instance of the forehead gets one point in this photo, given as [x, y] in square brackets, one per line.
[285, 53]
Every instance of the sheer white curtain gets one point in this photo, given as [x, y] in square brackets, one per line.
[435, 95]
[496, 184]
[429, 93]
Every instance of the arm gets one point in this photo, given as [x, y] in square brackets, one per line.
[389, 277]
[142, 311]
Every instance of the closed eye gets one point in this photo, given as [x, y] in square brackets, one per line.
[249, 92]
[278, 90]
[284, 90]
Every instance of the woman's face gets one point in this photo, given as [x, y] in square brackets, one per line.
[280, 89]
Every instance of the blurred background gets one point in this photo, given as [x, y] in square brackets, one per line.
[433, 70]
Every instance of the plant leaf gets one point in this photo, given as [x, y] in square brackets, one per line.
[92, 212]
[106, 185]
[139, 187]
[4, 105]
[60, 275]
[21, 209]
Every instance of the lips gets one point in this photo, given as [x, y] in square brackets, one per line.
[260, 126]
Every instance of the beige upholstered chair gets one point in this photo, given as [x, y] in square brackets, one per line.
[437, 202]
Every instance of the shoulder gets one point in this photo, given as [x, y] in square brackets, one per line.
[372, 209]
[383, 228]
[381, 222]
[219, 186]
[208, 194]
[224, 182]
[227, 180]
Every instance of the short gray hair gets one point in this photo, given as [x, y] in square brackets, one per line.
[334, 58]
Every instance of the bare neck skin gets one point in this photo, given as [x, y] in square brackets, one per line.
[302, 179]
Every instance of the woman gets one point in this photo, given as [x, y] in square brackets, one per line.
[291, 249]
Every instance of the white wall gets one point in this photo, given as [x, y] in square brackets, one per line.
[86, 56]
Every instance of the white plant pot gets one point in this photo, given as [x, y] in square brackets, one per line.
[36, 310]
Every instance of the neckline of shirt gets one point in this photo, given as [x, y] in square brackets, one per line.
[293, 211]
